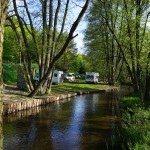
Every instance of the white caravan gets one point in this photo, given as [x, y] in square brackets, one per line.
[92, 77]
[57, 76]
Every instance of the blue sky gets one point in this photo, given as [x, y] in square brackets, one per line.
[79, 39]
[81, 28]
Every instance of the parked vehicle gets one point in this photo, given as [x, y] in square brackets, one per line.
[78, 76]
[57, 76]
[69, 77]
[92, 77]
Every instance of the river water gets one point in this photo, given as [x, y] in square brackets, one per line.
[84, 122]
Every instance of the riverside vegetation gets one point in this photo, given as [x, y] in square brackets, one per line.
[133, 134]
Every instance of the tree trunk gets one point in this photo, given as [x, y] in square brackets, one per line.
[147, 81]
[3, 10]
[147, 88]
[28, 70]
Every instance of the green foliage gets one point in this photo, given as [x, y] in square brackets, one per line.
[11, 49]
[10, 73]
[72, 62]
[135, 125]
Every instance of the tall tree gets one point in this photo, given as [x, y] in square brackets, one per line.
[46, 45]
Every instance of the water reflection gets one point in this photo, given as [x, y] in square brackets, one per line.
[70, 134]
[83, 122]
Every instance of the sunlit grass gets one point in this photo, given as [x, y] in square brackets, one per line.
[130, 101]
[77, 87]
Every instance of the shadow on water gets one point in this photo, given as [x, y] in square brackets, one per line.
[80, 123]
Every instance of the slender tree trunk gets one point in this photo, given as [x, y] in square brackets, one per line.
[44, 38]
[132, 51]
[49, 36]
[147, 81]
[137, 28]
[29, 75]
[147, 87]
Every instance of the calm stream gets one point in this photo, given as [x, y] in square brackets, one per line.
[80, 123]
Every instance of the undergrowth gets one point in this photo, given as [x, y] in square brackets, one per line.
[134, 131]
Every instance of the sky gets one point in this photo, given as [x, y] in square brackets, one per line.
[80, 29]
[79, 39]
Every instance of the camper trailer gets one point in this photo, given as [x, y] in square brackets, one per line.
[92, 77]
[57, 76]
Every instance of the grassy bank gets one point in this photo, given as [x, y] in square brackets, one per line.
[63, 88]
[134, 132]
[77, 87]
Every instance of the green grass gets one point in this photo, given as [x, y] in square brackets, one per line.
[77, 87]
[135, 124]
[130, 101]
[10, 73]
[136, 127]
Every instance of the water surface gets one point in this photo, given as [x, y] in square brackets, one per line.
[84, 122]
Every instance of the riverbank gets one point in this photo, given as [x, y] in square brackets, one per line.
[15, 100]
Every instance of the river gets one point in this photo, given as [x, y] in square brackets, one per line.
[84, 122]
